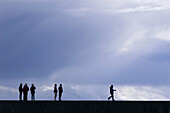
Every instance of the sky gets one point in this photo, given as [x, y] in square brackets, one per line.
[86, 45]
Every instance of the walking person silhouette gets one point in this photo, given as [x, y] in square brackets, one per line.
[25, 91]
[32, 92]
[55, 91]
[60, 91]
[112, 93]
[20, 92]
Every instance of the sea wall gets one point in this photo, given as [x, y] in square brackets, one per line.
[85, 107]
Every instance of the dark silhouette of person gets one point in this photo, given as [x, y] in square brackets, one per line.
[112, 93]
[60, 91]
[25, 91]
[55, 91]
[32, 92]
[20, 92]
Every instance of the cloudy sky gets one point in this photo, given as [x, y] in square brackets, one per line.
[86, 45]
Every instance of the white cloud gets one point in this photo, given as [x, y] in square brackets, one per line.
[144, 6]
[133, 41]
[76, 87]
[141, 93]
[3, 88]
[142, 9]
[46, 88]
[163, 35]
[117, 6]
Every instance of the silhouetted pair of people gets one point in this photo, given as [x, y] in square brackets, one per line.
[60, 89]
[112, 93]
[25, 90]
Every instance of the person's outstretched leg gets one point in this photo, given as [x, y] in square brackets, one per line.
[109, 97]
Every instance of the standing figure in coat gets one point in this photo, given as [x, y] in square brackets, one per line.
[20, 92]
[112, 93]
[32, 92]
[60, 91]
[25, 92]
[55, 91]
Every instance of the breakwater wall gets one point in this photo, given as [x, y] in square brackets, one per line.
[84, 107]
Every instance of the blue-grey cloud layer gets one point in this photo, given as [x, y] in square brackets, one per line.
[83, 43]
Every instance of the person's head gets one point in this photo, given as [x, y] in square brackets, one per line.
[60, 85]
[25, 85]
[32, 85]
[55, 85]
[20, 84]
[112, 86]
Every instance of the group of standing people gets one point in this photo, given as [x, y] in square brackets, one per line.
[24, 90]
[60, 90]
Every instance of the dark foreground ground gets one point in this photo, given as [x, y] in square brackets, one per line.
[85, 107]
